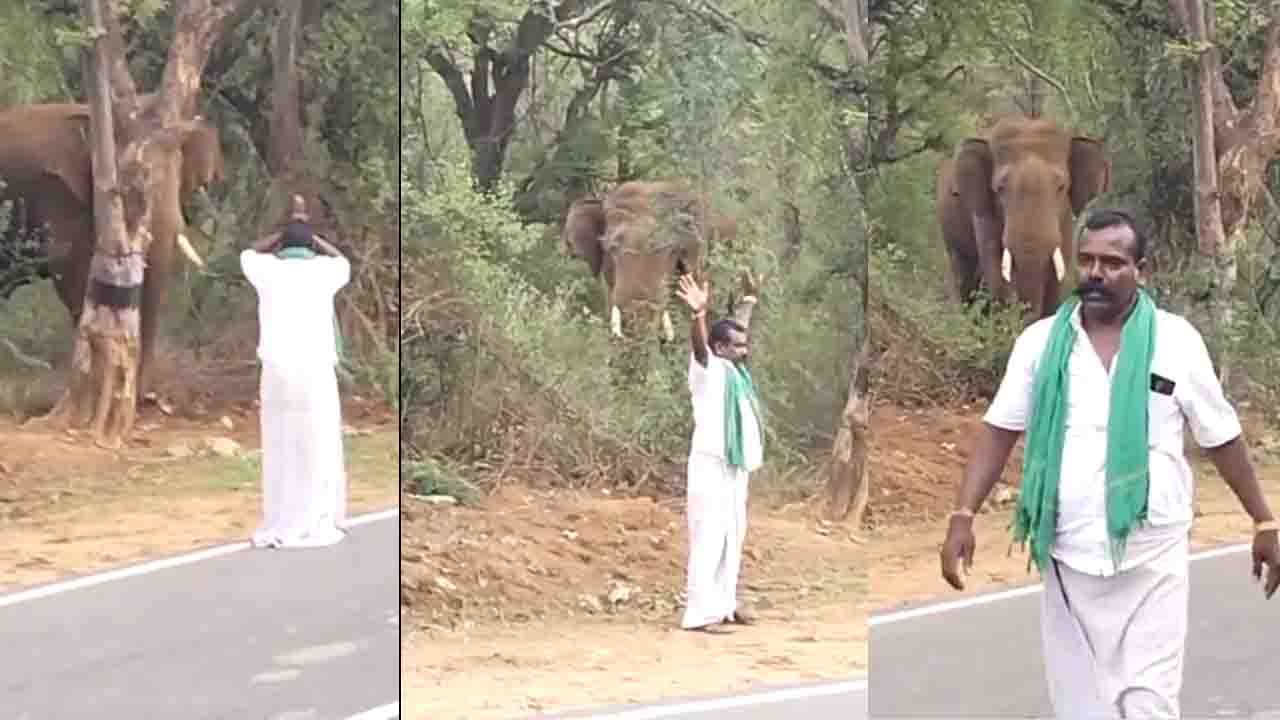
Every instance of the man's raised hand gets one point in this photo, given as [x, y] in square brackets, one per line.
[693, 296]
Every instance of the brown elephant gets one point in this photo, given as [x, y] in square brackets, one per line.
[1006, 204]
[639, 236]
[45, 160]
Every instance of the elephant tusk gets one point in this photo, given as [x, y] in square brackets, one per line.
[185, 246]
[668, 332]
[1006, 264]
[615, 321]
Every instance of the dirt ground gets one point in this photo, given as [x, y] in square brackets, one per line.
[572, 599]
[68, 507]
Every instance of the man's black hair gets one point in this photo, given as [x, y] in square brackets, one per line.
[720, 329]
[1110, 217]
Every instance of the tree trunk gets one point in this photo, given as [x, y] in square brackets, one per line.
[1215, 248]
[134, 203]
[285, 152]
[105, 358]
[847, 487]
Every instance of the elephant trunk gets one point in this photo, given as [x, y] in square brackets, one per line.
[1034, 247]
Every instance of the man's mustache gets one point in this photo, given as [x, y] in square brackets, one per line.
[1093, 289]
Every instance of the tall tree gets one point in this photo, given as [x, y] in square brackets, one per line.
[1244, 140]
[136, 207]
[847, 488]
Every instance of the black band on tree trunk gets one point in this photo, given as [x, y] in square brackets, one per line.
[115, 296]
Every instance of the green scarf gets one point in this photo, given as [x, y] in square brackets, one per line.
[737, 385]
[302, 253]
[1127, 455]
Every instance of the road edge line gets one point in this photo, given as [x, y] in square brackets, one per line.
[382, 712]
[149, 566]
[996, 596]
[758, 698]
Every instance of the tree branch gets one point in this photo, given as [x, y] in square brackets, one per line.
[586, 17]
[457, 84]
[1034, 70]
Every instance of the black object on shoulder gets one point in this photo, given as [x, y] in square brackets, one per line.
[297, 234]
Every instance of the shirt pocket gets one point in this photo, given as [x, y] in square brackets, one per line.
[1164, 420]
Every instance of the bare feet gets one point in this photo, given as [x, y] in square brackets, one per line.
[740, 617]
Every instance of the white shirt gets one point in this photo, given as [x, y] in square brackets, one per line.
[1180, 356]
[707, 388]
[295, 305]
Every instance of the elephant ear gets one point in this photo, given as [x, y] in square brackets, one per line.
[1090, 171]
[973, 169]
[584, 232]
[202, 161]
[74, 167]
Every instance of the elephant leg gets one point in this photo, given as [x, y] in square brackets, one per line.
[70, 258]
[988, 232]
[962, 282]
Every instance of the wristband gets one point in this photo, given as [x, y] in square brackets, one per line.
[962, 512]
[1265, 526]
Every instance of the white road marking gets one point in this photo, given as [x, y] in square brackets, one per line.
[760, 698]
[145, 568]
[986, 598]
[382, 712]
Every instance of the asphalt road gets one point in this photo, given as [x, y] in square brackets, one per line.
[984, 660]
[840, 700]
[300, 634]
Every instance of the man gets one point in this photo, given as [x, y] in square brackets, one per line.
[303, 477]
[1106, 503]
[727, 446]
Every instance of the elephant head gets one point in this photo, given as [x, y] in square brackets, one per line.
[45, 159]
[638, 236]
[1021, 187]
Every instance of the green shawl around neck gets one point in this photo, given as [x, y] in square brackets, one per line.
[303, 253]
[1127, 454]
[737, 385]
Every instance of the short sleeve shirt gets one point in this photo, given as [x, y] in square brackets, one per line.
[1196, 399]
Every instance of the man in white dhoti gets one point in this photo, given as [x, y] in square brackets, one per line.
[296, 274]
[1106, 502]
[726, 447]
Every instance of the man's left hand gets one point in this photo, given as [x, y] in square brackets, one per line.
[1266, 550]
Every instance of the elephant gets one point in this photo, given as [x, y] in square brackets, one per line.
[639, 236]
[1006, 203]
[46, 162]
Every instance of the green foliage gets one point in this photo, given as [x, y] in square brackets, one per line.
[508, 365]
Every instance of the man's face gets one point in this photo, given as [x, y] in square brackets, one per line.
[1108, 272]
[736, 349]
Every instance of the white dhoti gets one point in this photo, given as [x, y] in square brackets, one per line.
[717, 518]
[1113, 646]
[304, 484]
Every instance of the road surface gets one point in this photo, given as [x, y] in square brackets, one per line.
[252, 634]
[924, 662]
[838, 700]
